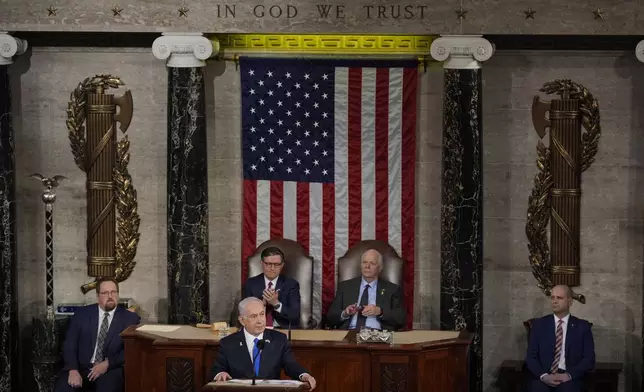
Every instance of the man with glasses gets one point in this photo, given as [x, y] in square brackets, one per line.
[93, 352]
[280, 294]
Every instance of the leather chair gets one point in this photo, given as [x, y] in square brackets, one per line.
[298, 264]
[349, 264]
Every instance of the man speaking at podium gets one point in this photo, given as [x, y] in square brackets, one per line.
[256, 352]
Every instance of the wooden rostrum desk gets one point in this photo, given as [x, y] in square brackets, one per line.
[419, 360]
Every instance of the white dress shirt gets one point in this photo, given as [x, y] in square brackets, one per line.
[101, 315]
[278, 307]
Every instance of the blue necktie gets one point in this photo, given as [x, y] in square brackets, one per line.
[256, 356]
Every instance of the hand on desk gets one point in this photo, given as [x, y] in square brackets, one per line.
[309, 379]
[222, 376]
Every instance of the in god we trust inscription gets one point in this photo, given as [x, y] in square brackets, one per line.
[322, 11]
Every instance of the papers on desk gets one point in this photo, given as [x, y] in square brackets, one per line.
[158, 328]
[266, 382]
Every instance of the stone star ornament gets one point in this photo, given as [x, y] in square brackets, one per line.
[529, 13]
[117, 11]
[51, 11]
[183, 12]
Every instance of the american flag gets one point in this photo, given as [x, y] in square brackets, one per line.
[328, 159]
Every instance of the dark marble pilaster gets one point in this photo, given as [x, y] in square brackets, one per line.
[461, 291]
[188, 272]
[9, 46]
[639, 53]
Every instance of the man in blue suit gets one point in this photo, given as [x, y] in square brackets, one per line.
[93, 351]
[280, 294]
[561, 350]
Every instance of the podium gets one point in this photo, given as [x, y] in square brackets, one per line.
[417, 361]
[227, 386]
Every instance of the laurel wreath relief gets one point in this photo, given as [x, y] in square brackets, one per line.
[128, 220]
[539, 200]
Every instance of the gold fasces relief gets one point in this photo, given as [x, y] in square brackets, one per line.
[104, 160]
[557, 184]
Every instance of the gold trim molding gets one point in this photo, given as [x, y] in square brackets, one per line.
[332, 44]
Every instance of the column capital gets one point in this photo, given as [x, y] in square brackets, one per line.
[639, 51]
[9, 47]
[184, 50]
[461, 51]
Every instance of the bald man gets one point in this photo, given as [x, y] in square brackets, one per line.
[368, 301]
[561, 350]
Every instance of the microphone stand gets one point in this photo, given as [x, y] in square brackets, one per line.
[260, 346]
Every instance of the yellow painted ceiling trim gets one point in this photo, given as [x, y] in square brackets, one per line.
[324, 44]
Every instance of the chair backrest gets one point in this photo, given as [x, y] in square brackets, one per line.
[349, 264]
[298, 264]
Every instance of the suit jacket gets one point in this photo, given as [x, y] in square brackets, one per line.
[288, 295]
[235, 359]
[82, 334]
[388, 298]
[579, 344]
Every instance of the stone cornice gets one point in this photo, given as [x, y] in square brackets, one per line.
[9, 47]
[184, 50]
[461, 51]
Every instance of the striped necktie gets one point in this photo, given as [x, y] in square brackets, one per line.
[100, 342]
[558, 344]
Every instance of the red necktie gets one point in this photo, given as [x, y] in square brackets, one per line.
[269, 310]
[558, 344]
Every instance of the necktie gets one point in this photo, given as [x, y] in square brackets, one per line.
[102, 334]
[256, 357]
[269, 310]
[364, 301]
[558, 344]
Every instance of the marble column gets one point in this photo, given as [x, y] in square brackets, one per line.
[9, 47]
[461, 292]
[188, 272]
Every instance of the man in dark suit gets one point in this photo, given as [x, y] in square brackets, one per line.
[240, 355]
[93, 351]
[561, 350]
[379, 302]
[280, 293]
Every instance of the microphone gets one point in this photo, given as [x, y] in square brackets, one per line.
[289, 329]
[260, 346]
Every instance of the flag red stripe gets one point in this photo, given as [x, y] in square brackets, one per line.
[303, 218]
[410, 86]
[354, 160]
[277, 209]
[328, 245]
[249, 225]
[382, 154]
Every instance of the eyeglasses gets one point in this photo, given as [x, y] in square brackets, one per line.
[272, 265]
[110, 293]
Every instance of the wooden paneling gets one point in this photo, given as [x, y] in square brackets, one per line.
[165, 365]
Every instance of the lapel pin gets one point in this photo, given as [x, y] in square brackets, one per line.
[382, 292]
[241, 344]
[267, 340]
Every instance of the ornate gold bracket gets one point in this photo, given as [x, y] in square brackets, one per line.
[556, 188]
[109, 184]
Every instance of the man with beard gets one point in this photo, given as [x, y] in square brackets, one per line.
[93, 351]
[255, 350]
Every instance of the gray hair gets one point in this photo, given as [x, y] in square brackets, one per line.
[243, 304]
[379, 259]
